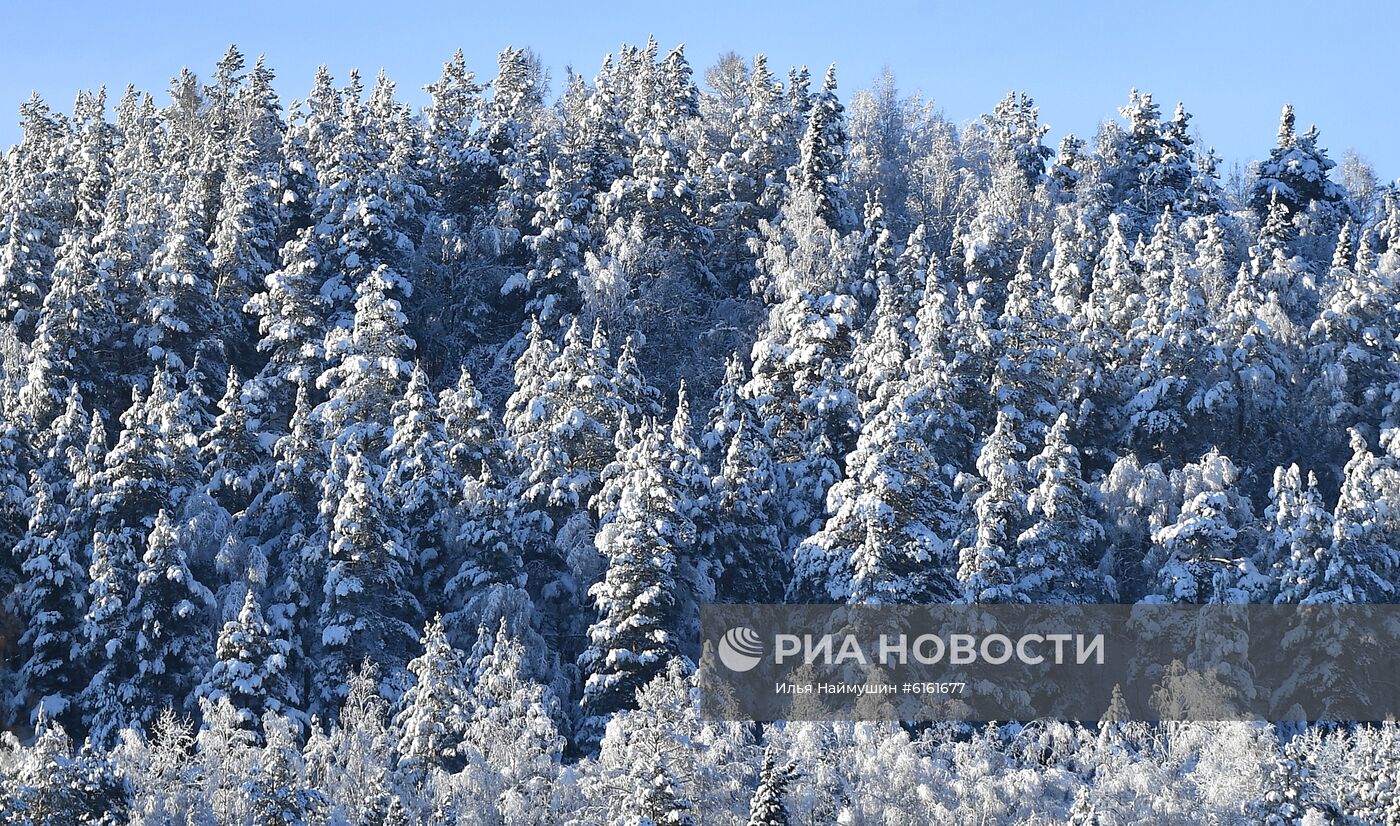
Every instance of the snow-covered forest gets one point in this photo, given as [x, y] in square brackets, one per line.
[367, 465]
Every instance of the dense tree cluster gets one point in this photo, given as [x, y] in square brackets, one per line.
[395, 449]
[483, 751]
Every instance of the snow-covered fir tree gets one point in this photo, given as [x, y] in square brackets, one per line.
[637, 601]
[250, 666]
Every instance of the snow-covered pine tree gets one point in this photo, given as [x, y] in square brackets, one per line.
[1295, 173]
[523, 413]
[1027, 374]
[749, 178]
[1299, 535]
[368, 608]
[1197, 553]
[1362, 558]
[170, 612]
[636, 601]
[56, 786]
[452, 124]
[638, 395]
[422, 487]
[249, 670]
[1176, 361]
[152, 469]
[432, 717]
[563, 435]
[659, 801]
[1260, 348]
[1015, 134]
[768, 807]
[248, 226]
[51, 602]
[822, 156]
[698, 569]
[729, 406]
[514, 146]
[559, 245]
[1154, 164]
[369, 365]
[1058, 552]
[1100, 384]
[234, 456]
[281, 526]
[880, 361]
[472, 432]
[987, 570]
[893, 518]
[292, 327]
[490, 578]
[179, 311]
[747, 519]
[652, 215]
[799, 376]
[77, 321]
[37, 204]
[1350, 357]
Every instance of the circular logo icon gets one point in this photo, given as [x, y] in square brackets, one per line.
[740, 649]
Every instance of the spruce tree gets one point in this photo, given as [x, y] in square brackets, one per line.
[1300, 536]
[800, 370]
[453, 140]
[52, 601]
[987, 569]
[369, 366]
[747, 518]
[513, 145]
[281, 526]
[234, 456]
[750, 175]
[1295, 173]
[420, 483]
[893, 518]
[1057, 552]
[170, 612]
[636, 601]
[472, 432]
[881, 358]
[247, 229]
[1197, 551]
[292, 327]
[179, 309]
[563, 435]
[432, 717]
[1361, 558]
[36, 209]
[367, 606]
[249, 671]
[768, 807]
[822, 155]
[494, 537]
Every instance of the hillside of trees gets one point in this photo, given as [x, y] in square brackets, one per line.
[369, 465]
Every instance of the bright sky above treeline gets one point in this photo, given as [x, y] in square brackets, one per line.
[1233, 64]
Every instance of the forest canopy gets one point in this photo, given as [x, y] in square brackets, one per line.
[363, 464]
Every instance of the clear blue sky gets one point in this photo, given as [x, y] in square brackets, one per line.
[1233, 63]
